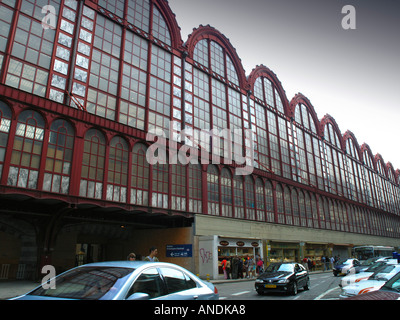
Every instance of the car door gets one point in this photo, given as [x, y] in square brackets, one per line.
[179, 286]
[148, 282]
[301, 275]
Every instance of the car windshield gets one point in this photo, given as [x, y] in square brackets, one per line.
[280, 267]
[382, 273]
[84, 283]
[368, 262]
[376, 266]
[393, 284]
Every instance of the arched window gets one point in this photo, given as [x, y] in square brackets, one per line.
[296, 209]
[5, 123]
[140, 171]
[92, 176]
[160, 184]
[260, 204]
[321, 213]
[59, 157]
[213, 190]
[224, 99]
[117, 181]
[326, 213]
[314, 209]
[200, 53]
[226, 193]
[302, 209]
[27, 150]
[288, 205]
[250, 199]
[134, 80]
[160, 88]
[160, 28]
[280, 204]
[262, 151]
[195, 188]
[265, 91]
[269, 201]
[238, 192]
[178, 190]
[304, 118]
[138, 13]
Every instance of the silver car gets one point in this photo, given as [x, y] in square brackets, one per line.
[125, 280]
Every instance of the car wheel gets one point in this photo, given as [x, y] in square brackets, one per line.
[294, 289]
[307, 286]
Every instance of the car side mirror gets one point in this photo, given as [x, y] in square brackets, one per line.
[139, 296]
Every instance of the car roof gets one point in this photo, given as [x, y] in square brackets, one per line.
[121, 264]
[131, 264]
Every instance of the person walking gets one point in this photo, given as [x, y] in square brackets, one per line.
[152, 256]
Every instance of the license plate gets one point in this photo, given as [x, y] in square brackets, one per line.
[270, 286]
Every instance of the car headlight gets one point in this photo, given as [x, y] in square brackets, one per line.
[283, 281]
[259, 281]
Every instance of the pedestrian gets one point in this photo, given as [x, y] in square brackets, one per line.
[260, 266]
[228, 267]
[305, 263]
[250, 267]
[152, 256]
[131, 257]
[323, 260]
[223, 264]
[332, 262]
[246, 266]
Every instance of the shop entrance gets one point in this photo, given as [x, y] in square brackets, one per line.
[236, 253]
[283, 252]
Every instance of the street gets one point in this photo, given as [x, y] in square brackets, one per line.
[324, 286]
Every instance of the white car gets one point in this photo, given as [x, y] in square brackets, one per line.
[357, 277]
[373, 283]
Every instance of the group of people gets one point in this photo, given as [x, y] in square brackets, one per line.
[326, 263]
[153, 251]
[240, 267]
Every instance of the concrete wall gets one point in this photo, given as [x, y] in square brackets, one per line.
[211, 225]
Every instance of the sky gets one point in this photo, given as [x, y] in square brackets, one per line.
[351, 74]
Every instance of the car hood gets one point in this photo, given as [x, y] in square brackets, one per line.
[371, 285]
[276, 274]
[376, 295]
[355, 278]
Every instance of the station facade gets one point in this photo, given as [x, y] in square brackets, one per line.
[88, 88]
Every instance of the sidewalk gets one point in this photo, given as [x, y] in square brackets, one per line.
[14, 288]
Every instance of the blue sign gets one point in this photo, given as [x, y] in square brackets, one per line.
[179, 250]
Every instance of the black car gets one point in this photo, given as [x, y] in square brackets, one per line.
[283, 277]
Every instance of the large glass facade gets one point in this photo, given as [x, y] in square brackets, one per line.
[111, 71]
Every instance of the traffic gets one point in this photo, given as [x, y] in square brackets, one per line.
[375, 278]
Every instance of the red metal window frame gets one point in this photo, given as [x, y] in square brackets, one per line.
[93, 165]
[27, 150]
[59, 156]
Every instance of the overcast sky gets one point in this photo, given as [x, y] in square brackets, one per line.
[353, 75]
